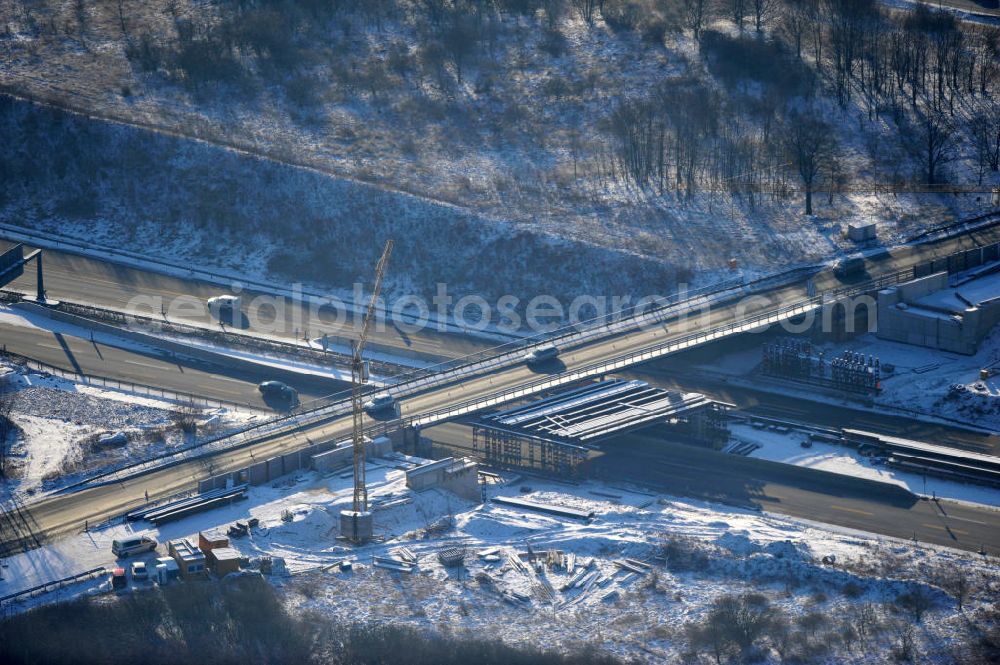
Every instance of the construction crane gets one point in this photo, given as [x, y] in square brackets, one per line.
[359, 521]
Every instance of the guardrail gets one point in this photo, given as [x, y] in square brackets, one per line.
[226, 337]
[53, 585]
[116, 384]
[646, 354]
[332, 406]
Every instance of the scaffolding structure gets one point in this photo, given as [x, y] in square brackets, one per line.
[798, 359]
[509, 449]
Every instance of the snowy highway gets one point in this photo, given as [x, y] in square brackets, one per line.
[149, 367]
[68, 513]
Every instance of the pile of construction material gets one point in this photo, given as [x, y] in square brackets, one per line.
[548, 508]
[180, 508]
[402, 561]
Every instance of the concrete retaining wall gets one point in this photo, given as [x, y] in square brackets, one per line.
[274, 468]
[134, 335]
[290, 462]
[333, 459]
[912, 324]
[258, 474]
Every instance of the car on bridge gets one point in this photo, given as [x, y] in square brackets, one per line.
[542, 354]
[379, 403]
[849, 266]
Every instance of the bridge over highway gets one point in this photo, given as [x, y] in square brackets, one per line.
[464, 387]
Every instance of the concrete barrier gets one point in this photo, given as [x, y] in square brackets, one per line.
[153, 341]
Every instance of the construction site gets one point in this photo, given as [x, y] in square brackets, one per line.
[575, 483]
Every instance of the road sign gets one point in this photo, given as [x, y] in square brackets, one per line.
[11, 264]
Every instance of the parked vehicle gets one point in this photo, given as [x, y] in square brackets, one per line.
[118, 579]
[542, 354]
[380, 402]
[128, 546]
[277, 389]
[139, 571]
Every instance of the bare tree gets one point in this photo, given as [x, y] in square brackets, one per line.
[935, 141]
[762, 11]
[810, 145]
[738, 12]
[460, 39]
[956, 582]
[695, 15]
[795, 24]
[984, 131]
[749, 616]
[864, 621]
[587, 8]
[8, 395]
[916, 603]
[848, 22]
[121, 19]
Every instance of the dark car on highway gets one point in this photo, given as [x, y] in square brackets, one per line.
[278, 390]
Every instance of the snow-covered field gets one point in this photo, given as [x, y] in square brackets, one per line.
[57, 424]
[696, 553]
[786, 447]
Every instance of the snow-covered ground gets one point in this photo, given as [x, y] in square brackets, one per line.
[710, 551]
[57, 423]
[787, 447]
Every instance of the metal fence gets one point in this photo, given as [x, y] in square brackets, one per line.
[11, 598]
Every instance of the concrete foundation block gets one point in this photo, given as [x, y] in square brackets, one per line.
[357, 527]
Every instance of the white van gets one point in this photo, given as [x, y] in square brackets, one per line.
[380, 402]
[124, 547]
[224, 306]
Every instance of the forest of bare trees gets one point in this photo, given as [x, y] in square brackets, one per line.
[933, 78]
[739, 108]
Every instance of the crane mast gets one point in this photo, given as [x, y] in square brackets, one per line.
[360, 504]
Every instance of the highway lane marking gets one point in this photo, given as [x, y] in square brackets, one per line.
[947, 528]
[852, 510]
[159, 367]
[220, 377]
[966, 519]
